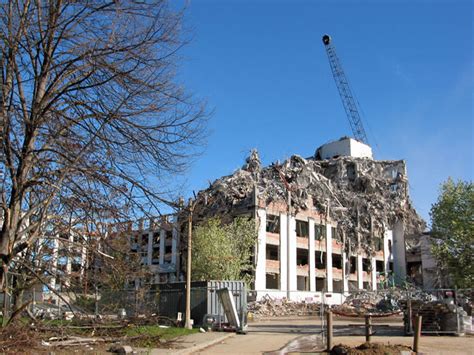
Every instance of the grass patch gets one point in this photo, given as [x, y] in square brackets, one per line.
[156, 331]
[153, 335]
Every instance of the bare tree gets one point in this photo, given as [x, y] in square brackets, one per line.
[92, 116]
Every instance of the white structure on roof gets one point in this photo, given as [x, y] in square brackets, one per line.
[344, 147]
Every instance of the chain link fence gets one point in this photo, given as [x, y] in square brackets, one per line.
[445, 311]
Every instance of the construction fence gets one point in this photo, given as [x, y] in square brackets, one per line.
[164, 301]
[444, 311]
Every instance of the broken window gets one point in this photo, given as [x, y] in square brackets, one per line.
[134, 240]
[390, 266]
[365, 265]
[301, 256]
[273, 224]
[337, 261]
[320, 258]
[155, 253]
[302, 283]
[378, 244]
[302, 229]
[272, 281]
[75, 267]
[320, 283]
[156, 238]
[353, 267]
[169, 236]
[379, 265]
[390, 246]
[338, 286]
[319, 231]
[272, 252]
[353, 286]
[144, 245]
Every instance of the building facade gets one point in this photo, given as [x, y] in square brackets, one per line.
[327, 225]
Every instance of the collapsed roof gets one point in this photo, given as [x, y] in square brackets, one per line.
[364, 196]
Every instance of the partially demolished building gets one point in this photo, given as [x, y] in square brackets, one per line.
[327, 225]
[333, 222]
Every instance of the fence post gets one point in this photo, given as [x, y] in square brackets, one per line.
[417, 335]
[329, 330]
[368, 328]
[456, 310]
[409, 316]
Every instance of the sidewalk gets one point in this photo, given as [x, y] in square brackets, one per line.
[190, 344]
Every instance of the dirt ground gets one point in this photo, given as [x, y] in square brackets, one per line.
[302, 335]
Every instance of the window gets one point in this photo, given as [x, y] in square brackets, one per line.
[353, 267]
[319, 231]
[302, 229]
[301, 256]
[272, 252]
[378, 244]
[302, 283]
[156, 238]
[379, 266]
[273, 224]
[272, 281]
[337, 261]
[320, 258]
[338, 286]
[365, 265]
[320, 283]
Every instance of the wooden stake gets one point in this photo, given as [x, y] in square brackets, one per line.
[329, 330]
[368, 328]
[417, 335]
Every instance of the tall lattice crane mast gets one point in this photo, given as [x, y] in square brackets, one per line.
[345, 92]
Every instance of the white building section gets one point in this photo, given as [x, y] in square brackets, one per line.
[344, 147]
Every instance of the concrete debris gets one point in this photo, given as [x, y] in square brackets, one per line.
[121, 349]
[362, 195]
[380, 302]
[253, 163]
[269, 307]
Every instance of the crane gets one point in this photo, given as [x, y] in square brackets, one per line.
[345, 92]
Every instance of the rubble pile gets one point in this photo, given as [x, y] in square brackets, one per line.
[362, 195]
[381, 302]
[366, 302]
[269, 307]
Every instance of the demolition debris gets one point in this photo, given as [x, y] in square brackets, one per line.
[269, 307]
[362, 195]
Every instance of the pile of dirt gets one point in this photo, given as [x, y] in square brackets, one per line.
[369, 348]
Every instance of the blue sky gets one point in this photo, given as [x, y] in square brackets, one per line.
[262, 67]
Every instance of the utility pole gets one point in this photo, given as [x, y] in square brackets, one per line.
[188, 324]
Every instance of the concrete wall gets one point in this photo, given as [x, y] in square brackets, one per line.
[399, 253]
[429, 266]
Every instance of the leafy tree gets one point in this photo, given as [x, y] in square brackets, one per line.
[223, 252]
[452, 218]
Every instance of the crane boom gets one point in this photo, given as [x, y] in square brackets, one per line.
[345, 92]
